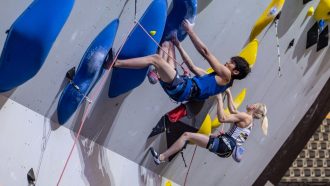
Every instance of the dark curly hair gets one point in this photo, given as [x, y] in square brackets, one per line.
[242, 66]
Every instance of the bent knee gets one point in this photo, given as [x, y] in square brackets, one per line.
[165, 44]
[156, 58]
[186, 135]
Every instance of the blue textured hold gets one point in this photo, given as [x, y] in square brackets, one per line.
[88, 73]
[30, 39]
[139, 45]
[182, 9]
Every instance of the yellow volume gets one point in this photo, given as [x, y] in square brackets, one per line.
[266, 17]
[322, 10]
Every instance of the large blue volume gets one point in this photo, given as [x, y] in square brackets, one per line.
[182, 9]
[88, 73]
[138, 45]
[30, 39]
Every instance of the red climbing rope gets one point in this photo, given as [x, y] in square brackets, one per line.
[94, 94]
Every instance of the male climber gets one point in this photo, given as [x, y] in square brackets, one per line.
[181, 87]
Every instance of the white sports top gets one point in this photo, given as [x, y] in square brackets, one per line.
[239, 134]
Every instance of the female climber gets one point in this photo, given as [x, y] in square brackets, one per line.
[184, 88]
[218, 143]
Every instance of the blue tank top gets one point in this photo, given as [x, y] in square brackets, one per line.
[208, 86]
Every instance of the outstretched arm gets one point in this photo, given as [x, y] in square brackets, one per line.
[187, 60]
[220, 69]
[230, 102]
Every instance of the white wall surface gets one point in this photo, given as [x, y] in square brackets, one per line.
[27, 142]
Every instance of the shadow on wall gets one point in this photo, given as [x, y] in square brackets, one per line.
[163, 135]
[324, 66]
[300, 50]
[99, 122]
[147, 177]
[202, 5]
[290, 13]
[6, 96]
[49, 125]
[313, 58]
[53, 117]
[159, 143]
[171, 131]
[96, 128]
[96, 168]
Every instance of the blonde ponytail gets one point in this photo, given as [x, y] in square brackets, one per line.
[260, 113]
[264, 125]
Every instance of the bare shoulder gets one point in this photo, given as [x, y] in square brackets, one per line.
[245, 119]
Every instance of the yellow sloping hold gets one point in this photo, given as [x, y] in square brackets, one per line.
[310, 11]
[168, 183]
[250, 51]
[322, 10]
[206, 125]
[209, 70]
[266, 17]
[328, 116]
[237, 103]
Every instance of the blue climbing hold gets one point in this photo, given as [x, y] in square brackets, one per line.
[30, 39]
[139, 44]
[88, 73]
[182, 9]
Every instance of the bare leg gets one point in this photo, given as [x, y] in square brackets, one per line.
[162, 52]
[167, 52]
[171, 55]
[199, 139]
[165, 71]
[163, 49]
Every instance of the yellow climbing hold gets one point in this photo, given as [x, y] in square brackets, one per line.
[215, 123]
[310, 11]
[168, 183]
[237, 103]
[266, 17]
[206, 125]
[210, 70]
[322, 10]
[152, 32]
[250, 51]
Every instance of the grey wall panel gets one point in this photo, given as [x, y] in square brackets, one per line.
[123, 124]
